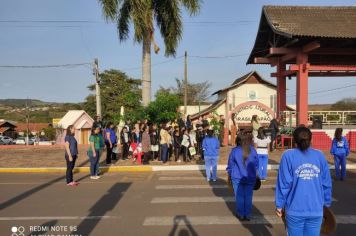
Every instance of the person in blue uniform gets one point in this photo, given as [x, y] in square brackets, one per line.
[340, 150]
[242, 170]
[303, 186]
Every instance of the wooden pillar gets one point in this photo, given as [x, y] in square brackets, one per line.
[302, 89]
[281, 89]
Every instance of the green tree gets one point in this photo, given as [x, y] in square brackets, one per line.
[164, 108]
[143, 14]
[346, 104]
[117, 90]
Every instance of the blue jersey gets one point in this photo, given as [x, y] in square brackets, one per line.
[340, 147]
[238, 169]
[303, 185]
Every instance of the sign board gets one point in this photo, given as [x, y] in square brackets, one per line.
[55, 121]
[245, 112]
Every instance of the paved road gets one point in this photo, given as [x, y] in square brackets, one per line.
[161, 203]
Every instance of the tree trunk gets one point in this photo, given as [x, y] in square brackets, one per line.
[146, 70]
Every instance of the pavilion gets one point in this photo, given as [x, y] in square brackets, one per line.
[312, 41]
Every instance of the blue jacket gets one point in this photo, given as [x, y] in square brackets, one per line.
[303, 185]
[113, 137]
[211, 146]
[340, 148]
[238, 170]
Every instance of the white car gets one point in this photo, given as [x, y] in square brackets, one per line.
[7, 140]
[20, 141]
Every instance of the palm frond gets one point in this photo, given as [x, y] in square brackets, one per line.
[169, 21]
[142, 17]
[193, 6]
[123, 20]
[110, 9]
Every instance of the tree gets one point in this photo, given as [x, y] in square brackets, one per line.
[143, 13]
[346, 104]
[117, 90]
[164, 108]
[197, 92]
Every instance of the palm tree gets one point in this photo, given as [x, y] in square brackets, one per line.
[143, 14]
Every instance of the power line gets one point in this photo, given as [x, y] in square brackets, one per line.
[46, 66]
[155, 64]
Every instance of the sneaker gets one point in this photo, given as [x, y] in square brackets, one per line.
[179, 161]
[92, 177]
[71, 184]
[247, 218]
[263, 180]
[208, 180]
[214, 180]
[75, 183]
[97, 177]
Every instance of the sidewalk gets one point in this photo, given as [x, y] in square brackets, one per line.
[39, 157]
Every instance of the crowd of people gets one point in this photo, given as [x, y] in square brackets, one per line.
[303, 186]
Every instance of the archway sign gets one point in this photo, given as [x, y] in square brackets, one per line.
[244, 112]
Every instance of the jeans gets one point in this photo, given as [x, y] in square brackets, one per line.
[93, 162]
[262, 165]
[164, 153]
[98, 162]
[211, 165]
[303, 225]
[340, 163]
[109, 154]
[70, 167]
[243, 197]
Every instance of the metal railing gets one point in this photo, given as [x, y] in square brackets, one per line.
[326, 117]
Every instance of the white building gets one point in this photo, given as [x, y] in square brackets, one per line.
[82, 123]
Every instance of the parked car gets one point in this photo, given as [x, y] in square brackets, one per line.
[7, 140]
[22, 141]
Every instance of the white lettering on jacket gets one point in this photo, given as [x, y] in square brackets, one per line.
[307, 171]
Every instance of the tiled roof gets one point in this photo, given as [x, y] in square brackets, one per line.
[317, 21]
[32, 127]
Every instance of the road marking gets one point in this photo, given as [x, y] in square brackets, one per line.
[227, 220]
[266, 186]
[157, 200]
[164, 178]
[59, 218]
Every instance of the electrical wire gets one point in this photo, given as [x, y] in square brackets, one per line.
[46, 66]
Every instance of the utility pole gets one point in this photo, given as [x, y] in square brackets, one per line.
[27, 122]
[185, 82]
[97, 87]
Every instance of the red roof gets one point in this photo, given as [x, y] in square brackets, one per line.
[33, 127]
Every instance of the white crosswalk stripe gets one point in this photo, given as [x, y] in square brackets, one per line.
[167, 187]
[169, 178]
[227, 220]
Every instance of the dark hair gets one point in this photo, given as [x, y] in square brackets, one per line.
[93, 130]
[338, 134]
[108, 125]
[254, 118]
[210, 133]
[302, 136]
[245, 141]
[261, 133]
[69, 132]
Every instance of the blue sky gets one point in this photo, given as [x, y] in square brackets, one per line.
[31, 43]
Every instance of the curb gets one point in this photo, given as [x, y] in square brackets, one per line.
[113, 169]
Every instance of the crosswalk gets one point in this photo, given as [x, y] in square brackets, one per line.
[203, 203]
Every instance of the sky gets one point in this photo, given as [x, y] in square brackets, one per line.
[37, 32]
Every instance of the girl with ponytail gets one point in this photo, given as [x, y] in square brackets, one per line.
[242, 168]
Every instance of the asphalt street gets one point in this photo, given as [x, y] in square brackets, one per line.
[146, 203]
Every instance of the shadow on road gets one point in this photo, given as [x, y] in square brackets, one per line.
[105, 204]
[182, 220]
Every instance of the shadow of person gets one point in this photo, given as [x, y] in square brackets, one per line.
[183, 221]
[258, 225]
[105, 204]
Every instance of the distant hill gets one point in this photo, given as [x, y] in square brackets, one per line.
[21, 103]
[39, 111]
[320, 107]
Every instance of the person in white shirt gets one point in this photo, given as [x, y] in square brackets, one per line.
[262, 145]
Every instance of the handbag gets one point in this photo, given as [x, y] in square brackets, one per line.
[115, 150]
[154, 148]
[192, 151]
[257, 184]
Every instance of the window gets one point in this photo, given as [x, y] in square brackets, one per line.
[252, 95]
